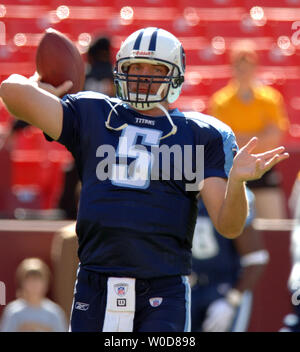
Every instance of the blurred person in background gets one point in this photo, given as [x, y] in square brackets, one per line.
[292, 321]
[32, 311]
[225, 272]
[65, 263]
[252, 109]
[99, 74]
[99, 78]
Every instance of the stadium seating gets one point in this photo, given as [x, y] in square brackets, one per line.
[32, 171]
[207, 30]
[36, 169]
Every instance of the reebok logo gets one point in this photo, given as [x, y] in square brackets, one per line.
[82, 306]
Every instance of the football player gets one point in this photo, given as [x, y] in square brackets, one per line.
[136, 218]
[224, 274]
[291, 322]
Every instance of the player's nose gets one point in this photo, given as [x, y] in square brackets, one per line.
[147, 70]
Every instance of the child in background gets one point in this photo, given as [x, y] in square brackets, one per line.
[32, 311]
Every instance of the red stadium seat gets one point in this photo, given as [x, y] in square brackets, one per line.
[5, 117]
[27, 2]
[279, 28]
[273, 3]
[206, 55]
[25, 25]
[275, 56]
[197, 27]
[12, 53]
[233, 29]
[56, 3]
[209, 3]
[37, 168]
[118, 4]
[73, 27]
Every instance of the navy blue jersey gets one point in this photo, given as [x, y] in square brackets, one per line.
[129, 227]
[215, 258]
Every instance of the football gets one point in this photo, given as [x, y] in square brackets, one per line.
[58, 60]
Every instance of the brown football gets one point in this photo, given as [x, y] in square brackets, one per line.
[58, 60]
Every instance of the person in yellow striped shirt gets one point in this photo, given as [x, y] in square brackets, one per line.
[252, 109]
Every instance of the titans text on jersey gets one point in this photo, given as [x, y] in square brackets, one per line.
[134, 227]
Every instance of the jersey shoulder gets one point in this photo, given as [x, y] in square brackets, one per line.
[208, 122]
[89, 95]
[15, 307]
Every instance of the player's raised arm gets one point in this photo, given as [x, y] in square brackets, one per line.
[35, 102]
[226, 202]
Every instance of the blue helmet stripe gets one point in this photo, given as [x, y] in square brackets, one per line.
[153, 39]
[138, 40]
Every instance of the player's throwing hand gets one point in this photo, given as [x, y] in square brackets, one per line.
[57, 91]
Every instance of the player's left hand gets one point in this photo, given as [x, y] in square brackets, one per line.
[248, 166]
[219, 316]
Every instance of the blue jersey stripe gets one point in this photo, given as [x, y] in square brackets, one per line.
[153, 40]
[228, 143]
[187, 326]
[243, 314]
[73, 301]
[138, 40]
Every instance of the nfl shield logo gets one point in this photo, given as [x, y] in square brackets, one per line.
[156, 301]
[121, 289]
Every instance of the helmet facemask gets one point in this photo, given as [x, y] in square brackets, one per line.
[153, 46]
[147, 99]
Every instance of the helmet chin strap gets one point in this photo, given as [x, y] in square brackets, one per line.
[107, 122]
[161, 107]
[174, 127]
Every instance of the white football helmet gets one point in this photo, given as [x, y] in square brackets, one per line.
[154, 46]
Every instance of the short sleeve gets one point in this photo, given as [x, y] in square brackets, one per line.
[219, 154]
[70, 135]
[8, 321]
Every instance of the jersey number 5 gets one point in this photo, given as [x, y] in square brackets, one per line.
[135, 174]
